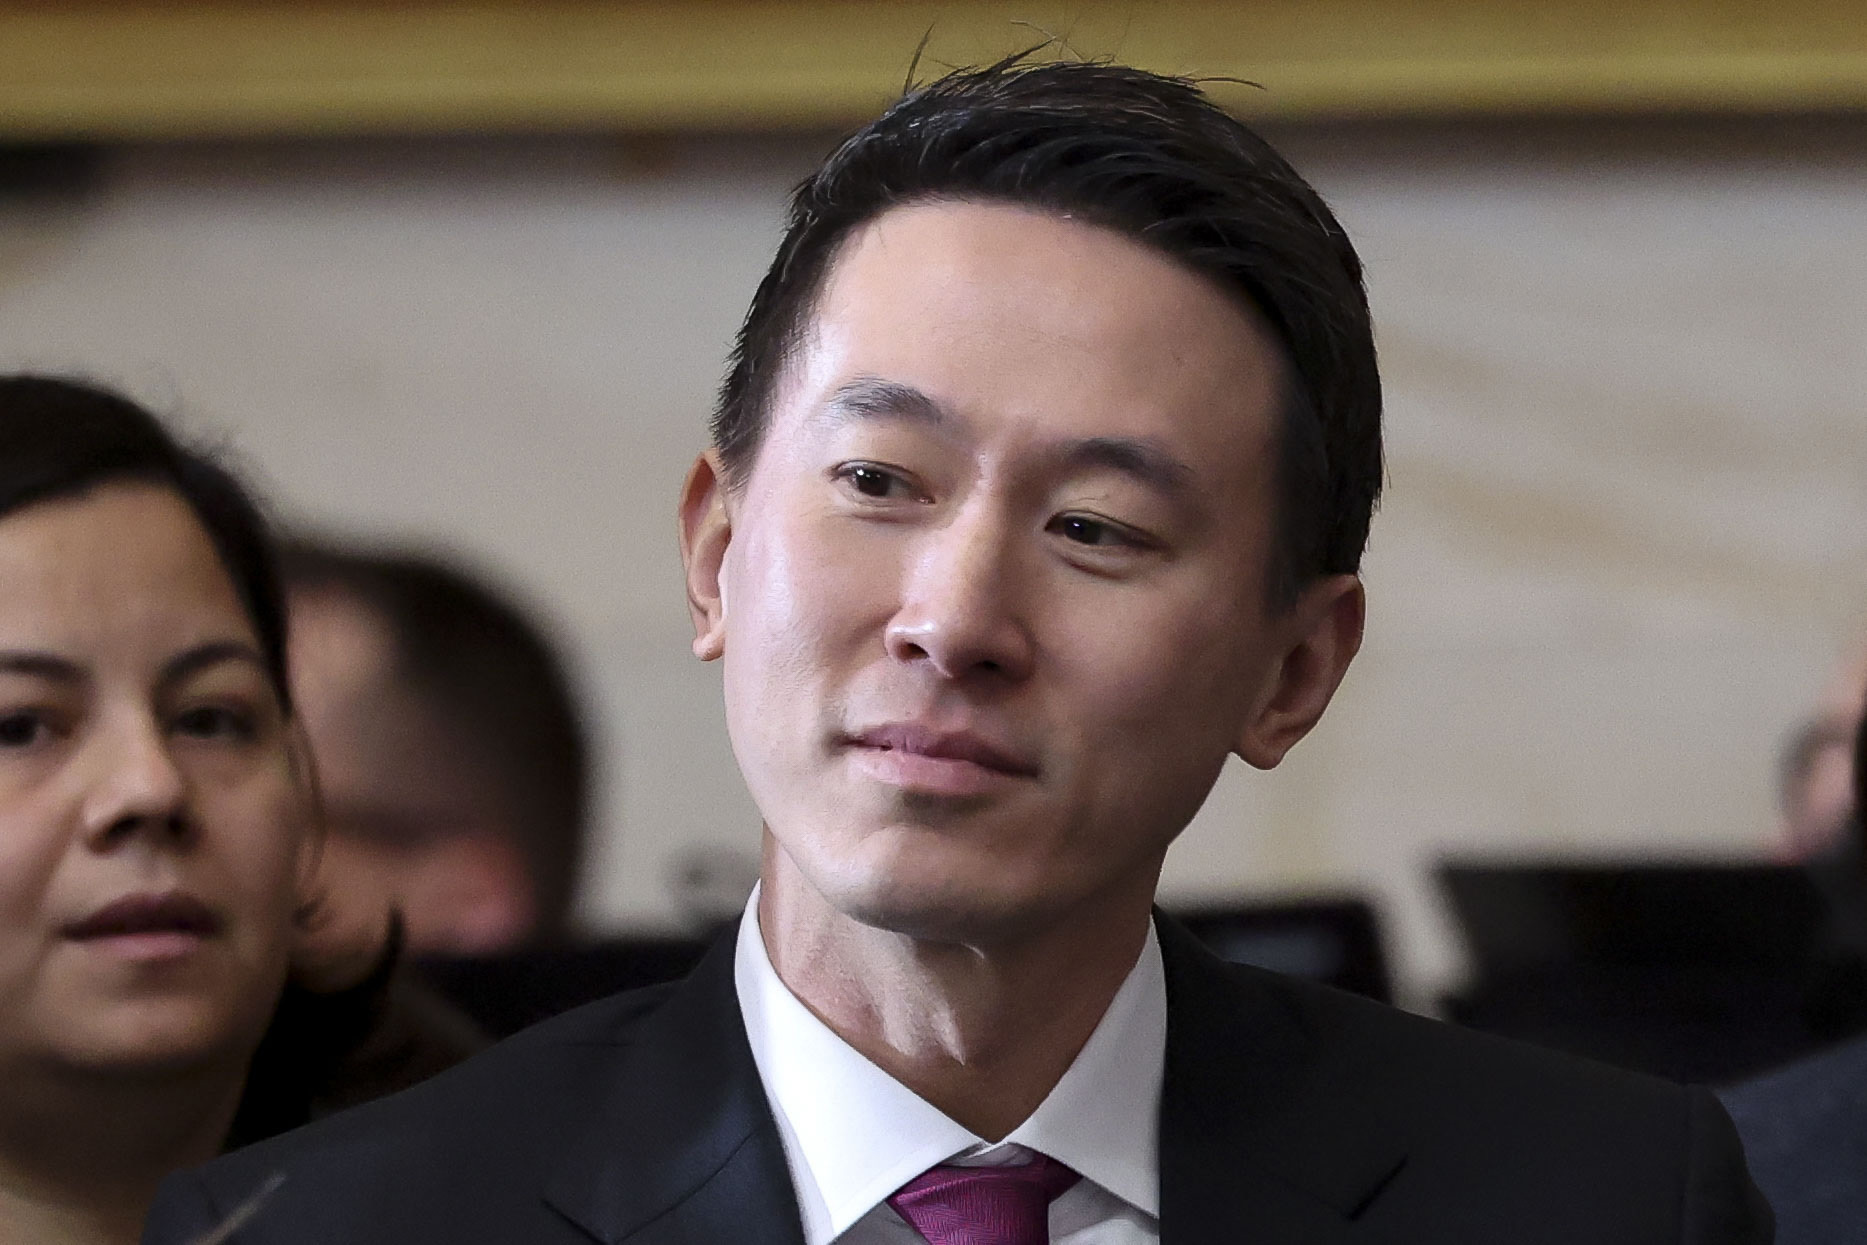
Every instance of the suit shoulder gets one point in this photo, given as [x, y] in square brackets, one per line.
[1832, 1084]
[1805, 1132]
[1532, 1144]
[487, 1102]
[1387, 1052]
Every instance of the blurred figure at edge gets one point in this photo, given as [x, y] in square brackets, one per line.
[451, 753]
[1816, 777]
[1805, 1127]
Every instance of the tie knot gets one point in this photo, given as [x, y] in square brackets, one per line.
[953, 1205]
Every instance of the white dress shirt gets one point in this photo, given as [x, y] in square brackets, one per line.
[853, 1134]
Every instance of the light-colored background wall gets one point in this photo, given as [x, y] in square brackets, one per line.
[1625, 536]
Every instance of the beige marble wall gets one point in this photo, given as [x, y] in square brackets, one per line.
[1626, 527]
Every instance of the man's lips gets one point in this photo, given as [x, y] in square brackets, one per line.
[912, 740]
[171, 912]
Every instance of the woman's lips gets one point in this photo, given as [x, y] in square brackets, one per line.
[148, 926]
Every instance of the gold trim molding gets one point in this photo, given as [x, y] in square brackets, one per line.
[183, 69]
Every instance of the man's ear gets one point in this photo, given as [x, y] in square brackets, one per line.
[706, 531]
[1320, 635]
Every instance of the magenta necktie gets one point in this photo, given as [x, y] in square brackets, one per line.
[952, 1205]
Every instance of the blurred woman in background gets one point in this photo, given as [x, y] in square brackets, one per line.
[158, 838]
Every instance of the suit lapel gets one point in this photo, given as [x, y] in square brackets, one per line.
[1259, 1141]
[681, 1148]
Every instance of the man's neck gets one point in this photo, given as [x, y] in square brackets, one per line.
[982, 1031]
[81, 1155]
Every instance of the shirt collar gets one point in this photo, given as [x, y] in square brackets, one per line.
[853, 1134]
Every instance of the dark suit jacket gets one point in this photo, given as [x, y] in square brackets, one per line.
[1291, 1115]
[1805, 1130]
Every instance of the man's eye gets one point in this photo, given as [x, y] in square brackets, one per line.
[872, 481]
[1081, 529]
[22, 730]
[215, 722]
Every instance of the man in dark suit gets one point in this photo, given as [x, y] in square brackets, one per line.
[1038, 488]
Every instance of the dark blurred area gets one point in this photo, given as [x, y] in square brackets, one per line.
[48, 170]
[1692, 971]
[505, 993]
[1332, 939]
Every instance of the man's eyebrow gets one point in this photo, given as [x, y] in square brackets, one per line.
[201, 657]
[871, 397]
[40, 665]
[1139, 458]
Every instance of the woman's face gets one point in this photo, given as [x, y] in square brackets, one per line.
[152, 820]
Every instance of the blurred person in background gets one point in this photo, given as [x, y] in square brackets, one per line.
[1817, 796]
[451, 752]
[1805, 1127]
[1816, 778]
[168, 985]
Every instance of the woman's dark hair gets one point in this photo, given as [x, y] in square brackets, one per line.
[61, 438]
[1147, 156]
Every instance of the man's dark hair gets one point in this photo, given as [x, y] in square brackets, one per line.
[483, 669]
[1150, 157]
[62, 438]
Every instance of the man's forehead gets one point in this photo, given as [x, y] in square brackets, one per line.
[1066, 275]
[1015, 298]
[1037, 280]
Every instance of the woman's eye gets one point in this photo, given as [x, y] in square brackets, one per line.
[21, 730]
[215, 722]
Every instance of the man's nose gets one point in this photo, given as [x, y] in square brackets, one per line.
[137, 788]
[962, 605]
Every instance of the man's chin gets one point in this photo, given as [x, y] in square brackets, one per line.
[947, 910]
[923, 885]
